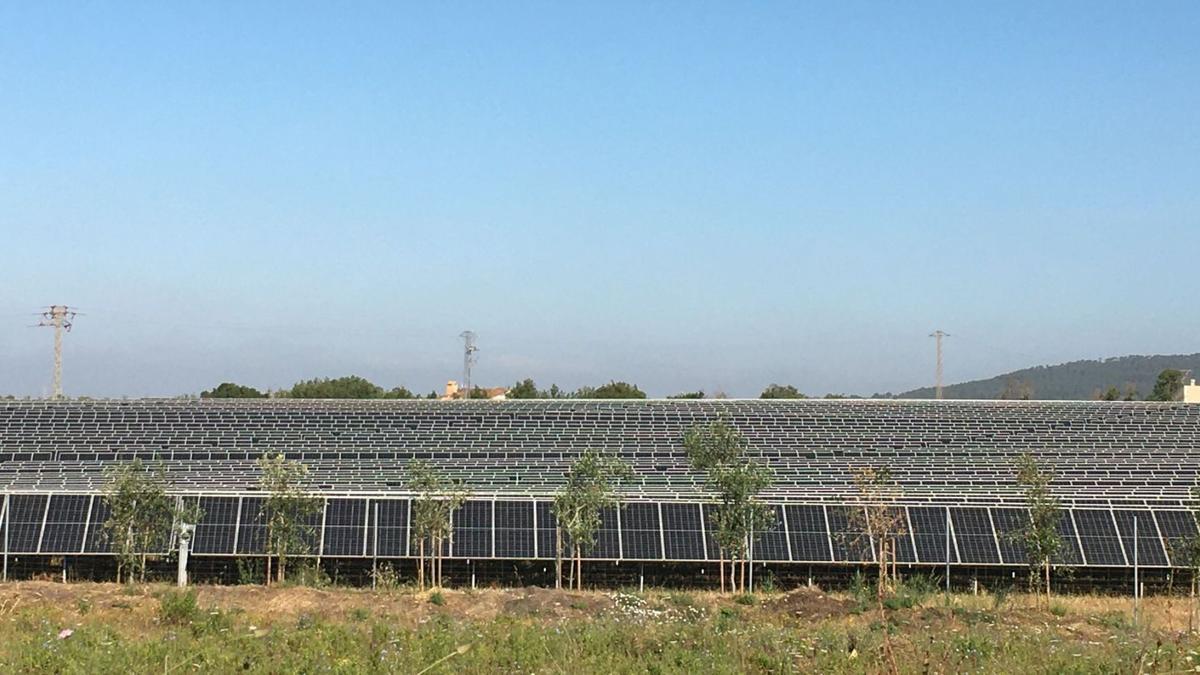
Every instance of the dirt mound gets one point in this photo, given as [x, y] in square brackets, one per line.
[809, 603]
[549, 602]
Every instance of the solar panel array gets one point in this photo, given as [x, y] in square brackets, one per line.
[936, 449]
[1115, 463]
[811, 533]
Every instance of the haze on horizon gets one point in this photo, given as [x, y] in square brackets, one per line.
[684, 196]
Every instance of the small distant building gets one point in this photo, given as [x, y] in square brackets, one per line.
[1191, 392]
[454, 392]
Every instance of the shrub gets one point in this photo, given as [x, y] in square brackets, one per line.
[178, 608]
[436, 598]
[1058, 610]
[744, 599]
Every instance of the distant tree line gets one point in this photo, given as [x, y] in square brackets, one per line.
[1168, 387]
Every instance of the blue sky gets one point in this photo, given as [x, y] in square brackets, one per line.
[683, 195]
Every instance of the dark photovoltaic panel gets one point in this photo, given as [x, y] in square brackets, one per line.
[473, 530]
[1178, 529]
[1068, 551]
[252, 529]
[4, 523]
[97, 537]
[608, 542]
[929, 534]
[1150, 549]
[682, 532]
[772, 542]
[710, 532]
[218, 523]
[392, 529]
[514, 529]
[345, 527]
[1010, 524]
[847, 532]
[808, 534]
[65, 522]
[641, 538]
[545, 535]
[1098, 536]
[902, 537]
[974, 534]
[25, 524]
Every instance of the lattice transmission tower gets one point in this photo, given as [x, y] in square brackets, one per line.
[937, 335]
[60, 318]
[469, 359]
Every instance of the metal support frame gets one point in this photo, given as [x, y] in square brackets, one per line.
[703, 530]
[87, 524]
[1161, 539]
[237, 524]
[620, 543]
[1120, 542]
[995, 536]
[787, 532]
[45, 515]
[535, 529]
[1078, 539]
[828, 531]
[493, 547]
[662, 534]
[6, 519]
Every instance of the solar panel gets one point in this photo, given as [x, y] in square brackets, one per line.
[772, 542]
[65, 521]
[546, 536]
[218, 524]
[929, 534]
[608, 539]
[1068, 551]
[25, 522]
[808, 533]
[848, 534]
[1010, 528]
[514, 529]
[345, 527]
[682, 533]
[391, 531]
[97, 537]
[252, 528]
[974, 534]
[1098, 536]
[1150, 551]
[4, 523]
[472, 530]
[1178, 529]
[641, 537]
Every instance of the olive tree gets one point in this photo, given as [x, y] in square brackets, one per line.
[141, 516]
[588, 489]
[720, 450]
[436, 499]
[287, 510]
[1040, 533]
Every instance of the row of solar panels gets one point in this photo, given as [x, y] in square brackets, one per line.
[65, 524]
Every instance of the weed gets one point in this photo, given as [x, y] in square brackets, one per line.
[745, 599]
[386, 578]
[1058, 609]
[359, 614]
[436, 598]
[1112, 620]
[83, 605]
[178, 608]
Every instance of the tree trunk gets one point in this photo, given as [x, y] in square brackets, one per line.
[282, 577]
[421, 564]
[1047, 582]
[579, 568]
[721, 567]
[268, 569]
[557, 556]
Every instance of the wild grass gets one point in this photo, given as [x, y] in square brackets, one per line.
[254, 629]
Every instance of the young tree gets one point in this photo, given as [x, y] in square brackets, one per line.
[1168, 387]
[878, 514]
[287, 509]
[781, 391]
[141, 516]
[589, 488]
[720, 450]
[1040, 533]
[436, 499]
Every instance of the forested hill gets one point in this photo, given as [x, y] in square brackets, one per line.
[1077, 380]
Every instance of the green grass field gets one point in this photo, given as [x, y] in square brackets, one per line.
[104, 628]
